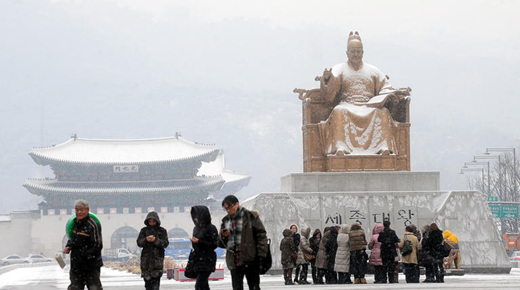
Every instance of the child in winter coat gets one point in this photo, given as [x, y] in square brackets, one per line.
[289, 254]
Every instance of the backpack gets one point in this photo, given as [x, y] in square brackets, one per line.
[407, 248]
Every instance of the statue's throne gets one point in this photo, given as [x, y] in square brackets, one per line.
[317, 109]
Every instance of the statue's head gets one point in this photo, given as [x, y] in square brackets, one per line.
[354, 49]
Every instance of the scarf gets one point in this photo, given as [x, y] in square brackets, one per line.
[234, 222]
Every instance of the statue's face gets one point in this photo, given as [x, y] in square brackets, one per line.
[355, 52]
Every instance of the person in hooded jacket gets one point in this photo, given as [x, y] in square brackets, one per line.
[342, 262]
[306, 251]
[204, 243]
[358, 256]
[375, 255]
[331, 247]
[288, 249]
[314, 242]
[321, 257]
[433, 244]
[453, 241]
[388, 240]
[153, 239]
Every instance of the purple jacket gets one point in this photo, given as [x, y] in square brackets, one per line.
[375, 246]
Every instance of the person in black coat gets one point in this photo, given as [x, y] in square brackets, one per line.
[314, 242]
[204, 243]
[425, 259]
[432, 244]
[388, 240]
[84, 246]
[331, 247]
[296, 238]
[153, 239]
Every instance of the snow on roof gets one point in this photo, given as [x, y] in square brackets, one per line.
[218, 167]
[131, 151]
[39, 186]
[5, 217]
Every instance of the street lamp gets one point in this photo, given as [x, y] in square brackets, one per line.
[515, 188]
[513, 150]
[488, 157]
[462, 170]
[475, 162]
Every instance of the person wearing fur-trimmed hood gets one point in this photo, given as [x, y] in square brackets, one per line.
[153, 239]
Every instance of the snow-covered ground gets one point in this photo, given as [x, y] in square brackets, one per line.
[53, 277]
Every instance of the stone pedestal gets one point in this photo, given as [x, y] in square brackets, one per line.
[320, 199]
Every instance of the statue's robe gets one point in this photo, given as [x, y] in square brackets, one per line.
[353, 127]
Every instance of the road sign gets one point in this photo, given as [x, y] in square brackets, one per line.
[492, 198]
[495, 210]
[509, 211]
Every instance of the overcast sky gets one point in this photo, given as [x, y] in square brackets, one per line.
[63, 63]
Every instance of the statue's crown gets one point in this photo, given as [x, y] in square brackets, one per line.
[353, 35]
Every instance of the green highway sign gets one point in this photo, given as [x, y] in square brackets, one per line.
[492, 198]
[495, 210]
[509, 211]
[504, 210]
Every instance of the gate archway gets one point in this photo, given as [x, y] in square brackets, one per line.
[125, 237]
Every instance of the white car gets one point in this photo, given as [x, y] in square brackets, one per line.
[38, 259]
[515, 256]
[13, 259]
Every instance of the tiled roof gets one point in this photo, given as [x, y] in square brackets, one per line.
[136, 151]
[42, 186]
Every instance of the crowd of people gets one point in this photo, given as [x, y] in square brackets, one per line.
[339, 256]
[336, 256]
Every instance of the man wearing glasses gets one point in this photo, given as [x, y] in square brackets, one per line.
[243, 235]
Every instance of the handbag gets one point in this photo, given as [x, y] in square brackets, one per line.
[189, 270]
[266, 263]
[308, 256]
[445, 249]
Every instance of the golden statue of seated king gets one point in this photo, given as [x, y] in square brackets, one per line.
[355, 121]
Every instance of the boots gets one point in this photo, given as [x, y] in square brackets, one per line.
[440, 279]
[287, 276]
[297, 275]
[363, 281]
[357, 281]
[303, 275]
